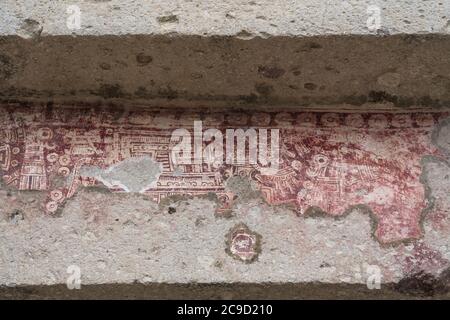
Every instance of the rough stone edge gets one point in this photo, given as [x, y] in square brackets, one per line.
[219, 291]
[21, 94]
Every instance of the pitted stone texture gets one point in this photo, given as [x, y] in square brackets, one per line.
[126, 239]
[121, 239]
[243, 19]
[437, 222]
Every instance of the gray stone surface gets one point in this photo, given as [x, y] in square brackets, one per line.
[243, 19]
[137, 242]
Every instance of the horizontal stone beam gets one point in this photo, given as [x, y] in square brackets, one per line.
[263, 18]
[405, 71]
[226, 54]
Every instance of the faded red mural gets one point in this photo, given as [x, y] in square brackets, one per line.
[328, 161]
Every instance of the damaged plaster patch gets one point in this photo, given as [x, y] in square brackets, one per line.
[441, 136]
[242, 187]
[133, 175]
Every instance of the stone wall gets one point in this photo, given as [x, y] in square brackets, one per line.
[358, 92]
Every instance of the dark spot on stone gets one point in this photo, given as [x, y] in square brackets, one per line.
[310, 86]
[171, 210]
[16, 216]
[142, 92]
[381, 96]
[251, 98]
[200, 221]
[263, 89]
[244, 34]
[117, 219]
[296, 72]
[425, 101]
[270, 72]
[354, 100]
[143, 59]
[383, 32]
[168, 19]
[110, 91]
[411, 39]
[314, 45]
[6, 67]
[168, 93]
[105, 66]
[422, 284]
[307, 47]
[196, 75]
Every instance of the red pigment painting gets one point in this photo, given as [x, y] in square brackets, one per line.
[328, 161]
